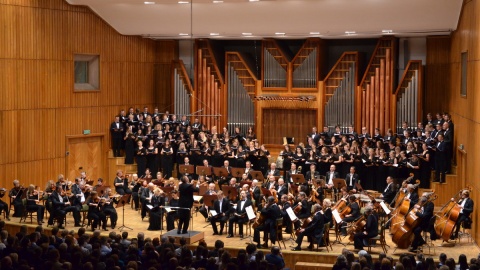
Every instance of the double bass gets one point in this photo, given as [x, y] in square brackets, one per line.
[402, 207]
[446, 218]
[403, 237]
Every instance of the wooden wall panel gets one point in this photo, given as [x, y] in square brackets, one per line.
[279, 123]
[437, 75]
[38, 107]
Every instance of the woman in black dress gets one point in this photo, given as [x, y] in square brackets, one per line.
[129, 145]
[286, 153]
[425, 167]
[167, 159]
[218, 155]
[140, 153]
[370, 182]
[263, 157]
[156, 212]
[383, 169]
[33, 198]
[152, 157]
[250, 134]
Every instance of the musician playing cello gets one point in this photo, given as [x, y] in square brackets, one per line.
[370, 230]
[314, 230]
[425, 212]
[271, 212]
[466, 205]
[354, 214]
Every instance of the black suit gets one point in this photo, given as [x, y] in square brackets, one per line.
[464, 213]
[308, 175]
[271, 214]
[185, 200]
[240, 218]
[371, 230]
[122, 189]
[413, 198]
[335, 175]
[275, 173]
[224, 180]
[116, 129]
[313, 230]
[287, 222]
[222, 214]
[389, 193]
[440, 162]
[281, 190]
[351, 183]
[425, 215]
[60, 209]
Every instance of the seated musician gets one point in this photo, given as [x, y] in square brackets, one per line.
[3, 205]
[33, 199]
[148, 175]
[145, 198]
[61, 206]
[78, 197]
[109, 207]
[293, 170]
[156, 205]
[186, 161]
[312, 174]
[224, 180]
[282, 188]
[135, 186]
[304, 211]
[331, 174]
[94, 211]
[314, 230]
[239, 214]
[271, 213]
[248, 169]
[318, 186]
[351, 180]
[412, 195]
[245, 178]
[207, 177]
[210, 191]
[327, 211]
[370, 230]
[173, 214]
[257, 193]
[61, 181]
[99, 184]
[271, 183]
[389, 192]
[284, 205]
[272, 170]
[354, 214]
[425, 213]
[466, 206]
[222, 209]
[83, 178]
[119, 183]
[246, 188]
[16, 194]
[159, 181]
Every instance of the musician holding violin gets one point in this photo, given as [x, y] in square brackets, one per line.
[425, 213]
[466, 206]
[16, 194]
[108, 208]
[313, 230]
[271, 212]
[352, 216]
[121, 187]
[4, 205]
[95, 204]
[33, 198]
[61, 206]
[369, 231]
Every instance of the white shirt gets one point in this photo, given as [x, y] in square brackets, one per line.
[463, 204]
[242, 203]
[220, 205]
[387, 187]
[330, 181]
[351, 179]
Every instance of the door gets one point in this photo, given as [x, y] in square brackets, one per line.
[85, 153]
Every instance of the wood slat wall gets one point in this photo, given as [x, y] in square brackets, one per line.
[279, 123]
[38, 107]
[437, 73]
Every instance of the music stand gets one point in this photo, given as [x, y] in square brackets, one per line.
[298, 178]
[202, 190]
[231, 192]
[204, 170]
[220, 171]
[238, 172]
[121, 203]
[338, 183]
[242, 183]
[208, 200]
[168, 191]
[257, 175]
[100, 190]
[184, 169]
[266, 192]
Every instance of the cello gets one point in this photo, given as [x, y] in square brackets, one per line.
[403, 236]
[446, 218]
[401, 209]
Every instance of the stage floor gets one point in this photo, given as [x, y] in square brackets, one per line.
[133, 220]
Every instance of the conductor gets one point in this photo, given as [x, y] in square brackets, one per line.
[185, 202]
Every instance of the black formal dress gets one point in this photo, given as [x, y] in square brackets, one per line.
[97, 216]
[34, 207]
[129, 149]
[17, 202]
[116, 129]
[167, 162]
[172, 215]
[156, 213]
[467, 204]
[141, 160]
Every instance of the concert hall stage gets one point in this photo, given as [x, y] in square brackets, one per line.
[199, 231]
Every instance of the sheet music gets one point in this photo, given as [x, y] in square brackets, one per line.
[336, 215]
[250, 212]
[395, 165]
[291, 214]
[385, 208]
[213, 212]
[149, 206]
[168, 209]
[197, 198]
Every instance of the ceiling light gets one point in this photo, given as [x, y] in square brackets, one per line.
[279, 33]
[350, 32]
[387, 31]
[183, 34]
[149, 3]
[183, 2]
[217, 1]
[314, 33]
[214, 34]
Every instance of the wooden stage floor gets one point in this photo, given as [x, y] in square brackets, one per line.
[133, 220]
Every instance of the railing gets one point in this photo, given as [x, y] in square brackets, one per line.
[182, 89]
[376, 88]
[408, 96]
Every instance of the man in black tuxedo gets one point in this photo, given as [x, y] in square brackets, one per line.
[273, 170]
[257, 193]
[351, 180]
[282, 188]
[271, 183]
[116, 129]
[312, 174]
[185, 191]
[62, 207]
[448, 139]
[424, 213]
[330, 175]
[222, 209]
[284, 205]
[271, 213]
[440, 159]
[210, 191]
[224, 180]
[466, 206]
[314, 135]
[389, 192]
[354, 214]
[239, 215]
[314, 230]
[293, 170]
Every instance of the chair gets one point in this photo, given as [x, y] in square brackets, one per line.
[27, 213]
[380, 237]
[429, 244]
[84, 212]
[248, 228]
[280, 233]
[466, 225]
[326, 237]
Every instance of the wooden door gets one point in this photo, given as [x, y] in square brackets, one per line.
[85, 153]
